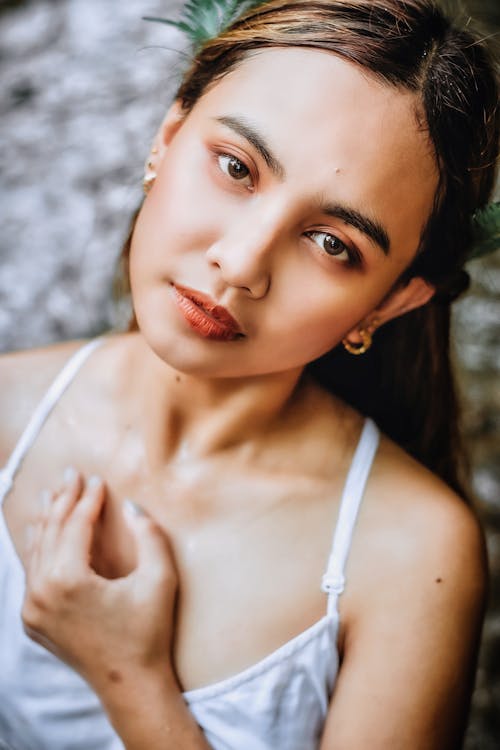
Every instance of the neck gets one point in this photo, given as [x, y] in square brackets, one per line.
[183, 416]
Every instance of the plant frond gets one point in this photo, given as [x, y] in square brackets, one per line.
[202, 20]
[486, 230]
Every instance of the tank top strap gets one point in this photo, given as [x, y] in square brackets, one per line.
[333, 580]
[42, 411]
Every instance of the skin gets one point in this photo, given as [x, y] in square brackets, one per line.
[207, 432]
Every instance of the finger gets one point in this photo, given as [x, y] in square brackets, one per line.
[154, 554]
[67, 496]
[45, 500]
[38, 530]
[29, 539]
[31, 545]
[61, 507]
[78, 534]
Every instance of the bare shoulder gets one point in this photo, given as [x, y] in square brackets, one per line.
[412, 609]
[422, 539]
[438, 524]
[24, 378]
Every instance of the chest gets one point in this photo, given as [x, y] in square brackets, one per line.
[250, 548]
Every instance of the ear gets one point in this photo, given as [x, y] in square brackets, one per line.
[416, 293]
[170, 125]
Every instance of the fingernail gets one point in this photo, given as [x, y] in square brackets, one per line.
[69, 474]
[132, 509]
[94, 482]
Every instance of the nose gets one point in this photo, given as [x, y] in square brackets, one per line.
[244, 259]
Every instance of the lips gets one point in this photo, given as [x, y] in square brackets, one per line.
[206, 317]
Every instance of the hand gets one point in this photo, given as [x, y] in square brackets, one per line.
[103, 628]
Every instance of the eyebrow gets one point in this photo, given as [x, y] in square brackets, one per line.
[242, 127]
[372, 228]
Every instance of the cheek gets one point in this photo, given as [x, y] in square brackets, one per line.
[311, 314]
[185, 194]
[325, 303]
[140, 246]
[167, 226]
[309, 322]
[180, 215]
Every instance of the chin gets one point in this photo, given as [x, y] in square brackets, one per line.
[182, 355]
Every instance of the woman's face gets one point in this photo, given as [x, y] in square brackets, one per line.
[294, 195]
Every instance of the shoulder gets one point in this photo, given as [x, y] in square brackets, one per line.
[431, 516]
[424, 542]
[412, 612]
[25, 377]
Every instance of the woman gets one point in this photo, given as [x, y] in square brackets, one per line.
[313, 184]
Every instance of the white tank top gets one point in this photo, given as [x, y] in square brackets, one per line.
[280, 703]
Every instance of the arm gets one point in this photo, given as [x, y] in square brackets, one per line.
[411, 649]
[148, 711]
[116, 633]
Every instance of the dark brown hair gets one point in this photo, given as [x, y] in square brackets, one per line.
[405, 382]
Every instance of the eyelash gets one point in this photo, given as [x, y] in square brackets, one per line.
[231, 157]
[353, 257]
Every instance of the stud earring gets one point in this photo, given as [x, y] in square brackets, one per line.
[150, 176]
[366, 335]
[148, 180]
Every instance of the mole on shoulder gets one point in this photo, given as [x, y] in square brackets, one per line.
[114, 675]
[178, 378]
[438, 580]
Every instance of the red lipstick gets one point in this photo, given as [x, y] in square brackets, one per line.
[204, 316]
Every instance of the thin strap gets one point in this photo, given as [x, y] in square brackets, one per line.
[333, 581]
[41, 413]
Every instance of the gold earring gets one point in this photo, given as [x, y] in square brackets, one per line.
[365, 333]
[148, 181]
[150, 176]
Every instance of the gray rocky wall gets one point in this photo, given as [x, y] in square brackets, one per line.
[84, 84]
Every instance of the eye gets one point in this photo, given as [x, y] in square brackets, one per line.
[332, 245]
[234, 168]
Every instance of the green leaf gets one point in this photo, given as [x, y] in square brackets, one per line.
[202, 20]
[486, 230]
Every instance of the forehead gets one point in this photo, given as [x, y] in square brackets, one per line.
[334, 126]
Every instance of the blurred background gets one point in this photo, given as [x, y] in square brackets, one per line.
[84, 84]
